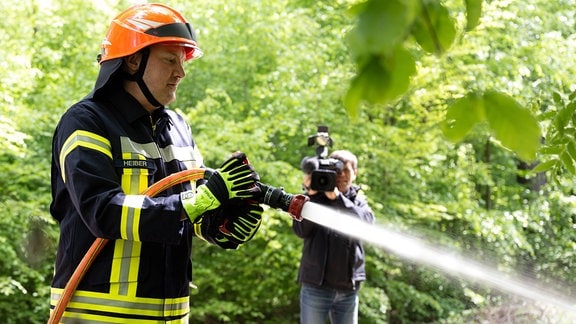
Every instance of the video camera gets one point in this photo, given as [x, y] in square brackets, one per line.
[323, 170]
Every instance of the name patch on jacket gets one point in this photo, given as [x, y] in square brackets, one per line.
[135, 164]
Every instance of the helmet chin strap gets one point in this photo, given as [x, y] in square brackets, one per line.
[139, 78]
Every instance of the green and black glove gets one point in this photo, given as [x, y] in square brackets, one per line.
[235, 178]
[230, 225]
[243, 221]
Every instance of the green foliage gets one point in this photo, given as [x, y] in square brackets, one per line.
[256, 282]
[434, 29]
[26, 243]
[381, 31]
[381, 25]
[272, 72]
[381, 79]
[512, 124]
[473, 13]
[559, 151]
[375, 304]
[419, 307]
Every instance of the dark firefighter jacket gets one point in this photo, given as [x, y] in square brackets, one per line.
[104, 154]
[329, 259]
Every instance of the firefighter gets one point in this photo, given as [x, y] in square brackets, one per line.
[116, 142]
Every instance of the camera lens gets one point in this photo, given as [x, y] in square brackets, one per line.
[323, 180]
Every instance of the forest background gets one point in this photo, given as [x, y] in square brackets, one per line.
[449, 106]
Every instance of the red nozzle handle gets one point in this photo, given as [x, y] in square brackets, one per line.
[296, 205]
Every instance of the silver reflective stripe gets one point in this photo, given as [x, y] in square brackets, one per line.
[86, 306]
[149, 150]
[82, 138]
[169, 153]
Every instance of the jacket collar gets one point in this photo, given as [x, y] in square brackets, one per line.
[130, 107]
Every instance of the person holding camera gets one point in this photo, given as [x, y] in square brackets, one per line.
[332, 264]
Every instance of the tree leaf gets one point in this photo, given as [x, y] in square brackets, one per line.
[376, 80]
[382, 25]
[461, 117]
[380, 80]
[568, 162]
[542, 167]
[513, 125]
[571, 149]
[434, 29]
[473, 13]
[401, 66]
[552, 149]
[353, 97]
[564, 116]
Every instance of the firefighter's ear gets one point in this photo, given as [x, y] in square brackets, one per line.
[132, 62]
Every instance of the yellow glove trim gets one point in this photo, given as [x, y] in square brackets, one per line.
[199, 203]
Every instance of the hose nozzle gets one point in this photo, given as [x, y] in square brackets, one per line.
[277, 198]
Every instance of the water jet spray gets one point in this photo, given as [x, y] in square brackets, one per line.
[416, 250]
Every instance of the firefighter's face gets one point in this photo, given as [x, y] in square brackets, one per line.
[164, 71]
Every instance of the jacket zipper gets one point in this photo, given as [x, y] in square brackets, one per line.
[153, 127]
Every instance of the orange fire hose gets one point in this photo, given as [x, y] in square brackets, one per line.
[99, 243]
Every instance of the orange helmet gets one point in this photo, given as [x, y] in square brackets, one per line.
[146, 24]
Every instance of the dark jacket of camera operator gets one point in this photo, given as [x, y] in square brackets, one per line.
[330, 259]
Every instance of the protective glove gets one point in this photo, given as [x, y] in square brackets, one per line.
[235, 178]
[243, 221]
[229, 225]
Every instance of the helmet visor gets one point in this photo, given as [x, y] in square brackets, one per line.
[178, 30]
[183, 30]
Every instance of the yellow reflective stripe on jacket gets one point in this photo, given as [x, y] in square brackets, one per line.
[130, 218]
[134, 180]
[125, 267]
[83, 139]
[126, 261]
[86, 306]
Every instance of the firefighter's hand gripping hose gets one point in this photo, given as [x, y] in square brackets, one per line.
[242, 222]
[234, 179]
[273, 197]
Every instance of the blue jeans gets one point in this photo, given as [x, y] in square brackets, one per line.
[318, 304]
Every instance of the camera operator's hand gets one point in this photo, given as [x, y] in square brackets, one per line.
[236, 178]
[332, 195]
